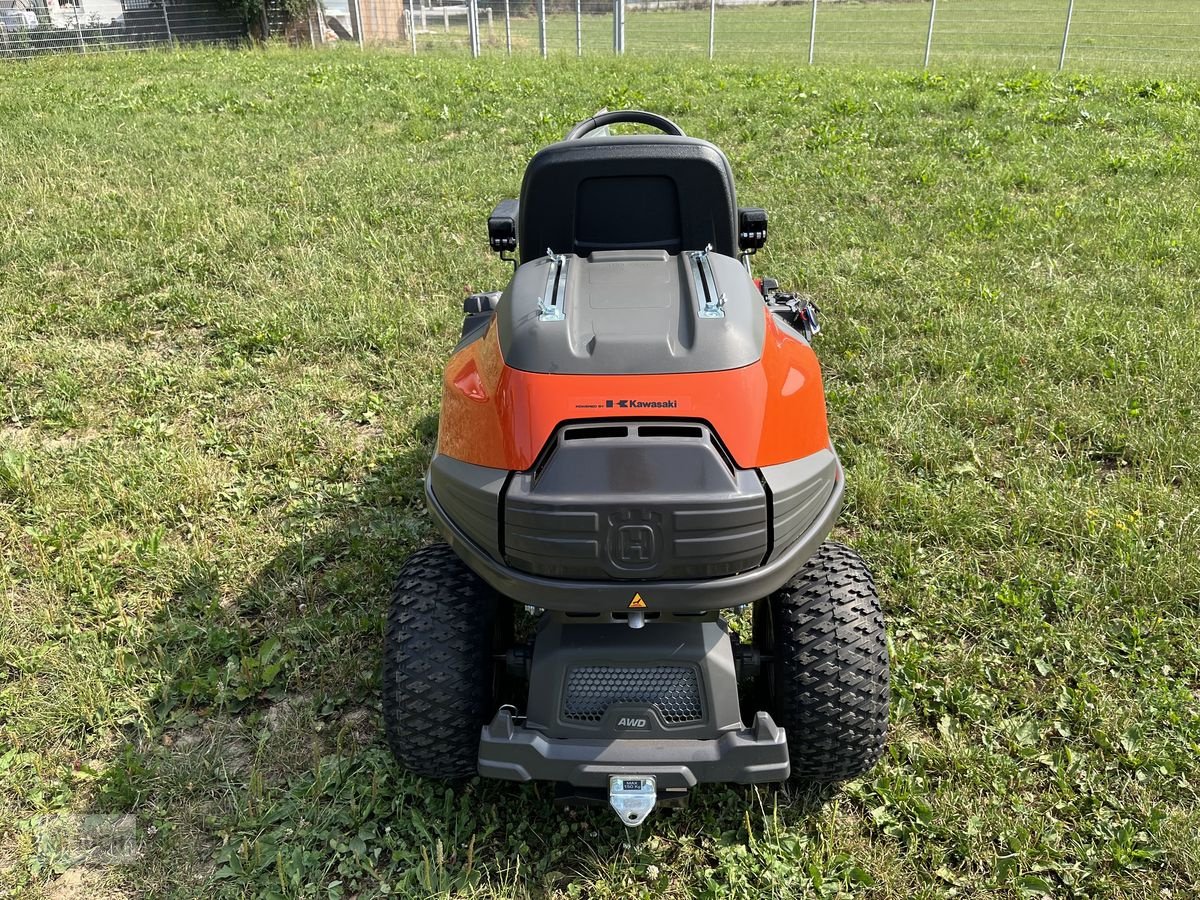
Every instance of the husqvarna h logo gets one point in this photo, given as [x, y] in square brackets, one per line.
[635, 540]
[637, 545]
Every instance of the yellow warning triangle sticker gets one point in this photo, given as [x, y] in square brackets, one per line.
[637, 602]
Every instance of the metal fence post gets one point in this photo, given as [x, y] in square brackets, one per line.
[312, 35]
[619, 27]
[812, 33]
[1062, 56]
[712, 26]
[79, 31]
[929, 37]
[507, 29]
[473, 27]
[412, 30]
[167, 22]
[578, 28]
[356, 8]
[542, 27]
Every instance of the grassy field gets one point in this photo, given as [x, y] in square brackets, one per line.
[227, 284]
[1154, 35]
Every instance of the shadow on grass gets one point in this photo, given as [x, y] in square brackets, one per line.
[263, 769]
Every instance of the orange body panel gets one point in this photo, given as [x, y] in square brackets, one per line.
[767, 413]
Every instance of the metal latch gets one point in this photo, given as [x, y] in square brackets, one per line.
[710, 302]
[806, 317]
[632, 796]
[797, 310]
[551, 304]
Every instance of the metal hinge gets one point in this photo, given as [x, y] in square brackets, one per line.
[551, 304]
[710, 302]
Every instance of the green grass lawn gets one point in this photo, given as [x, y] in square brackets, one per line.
[227, 284]
[1151, 35]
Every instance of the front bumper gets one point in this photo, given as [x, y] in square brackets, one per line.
[567, 595]
[749, 756]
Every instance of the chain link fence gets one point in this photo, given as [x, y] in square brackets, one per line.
[1159, 35]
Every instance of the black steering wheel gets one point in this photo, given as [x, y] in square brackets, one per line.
[624, 116]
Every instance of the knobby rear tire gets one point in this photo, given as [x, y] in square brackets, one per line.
[828, 683]
[438, 666]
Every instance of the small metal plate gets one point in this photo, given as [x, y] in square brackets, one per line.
[632, 796]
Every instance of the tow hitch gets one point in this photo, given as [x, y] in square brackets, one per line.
[633, 797]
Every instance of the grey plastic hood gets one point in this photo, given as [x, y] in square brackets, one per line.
[631, 312]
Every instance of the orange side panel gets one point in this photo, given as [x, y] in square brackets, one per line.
[767, 413]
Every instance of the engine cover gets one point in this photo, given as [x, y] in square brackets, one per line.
[635, 501]
[631, 312]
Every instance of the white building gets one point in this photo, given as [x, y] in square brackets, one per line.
[62, 13]
[90, 12]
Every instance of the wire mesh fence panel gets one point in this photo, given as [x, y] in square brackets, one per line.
[998, 32]
[442, 27]
[525, 27]
[28, 39]
[1158, 35]
[517, 27]
[882, 34]
[571, 29]
[897, 33]
[91, 26]
[666, 26]
[589, 31]
[1163, 35]
[192, 22]
[741, 28]
[562, 34]
[308, 28]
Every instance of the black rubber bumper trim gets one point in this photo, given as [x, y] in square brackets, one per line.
[749, 756]
[663, 596]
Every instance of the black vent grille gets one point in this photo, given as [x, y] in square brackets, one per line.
[673, 690]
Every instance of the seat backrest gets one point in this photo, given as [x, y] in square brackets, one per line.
[643, 192]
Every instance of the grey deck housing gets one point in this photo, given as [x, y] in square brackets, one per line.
[631, 312]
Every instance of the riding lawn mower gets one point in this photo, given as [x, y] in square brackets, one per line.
[633, 461]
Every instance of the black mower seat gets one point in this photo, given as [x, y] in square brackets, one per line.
[643, 192]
